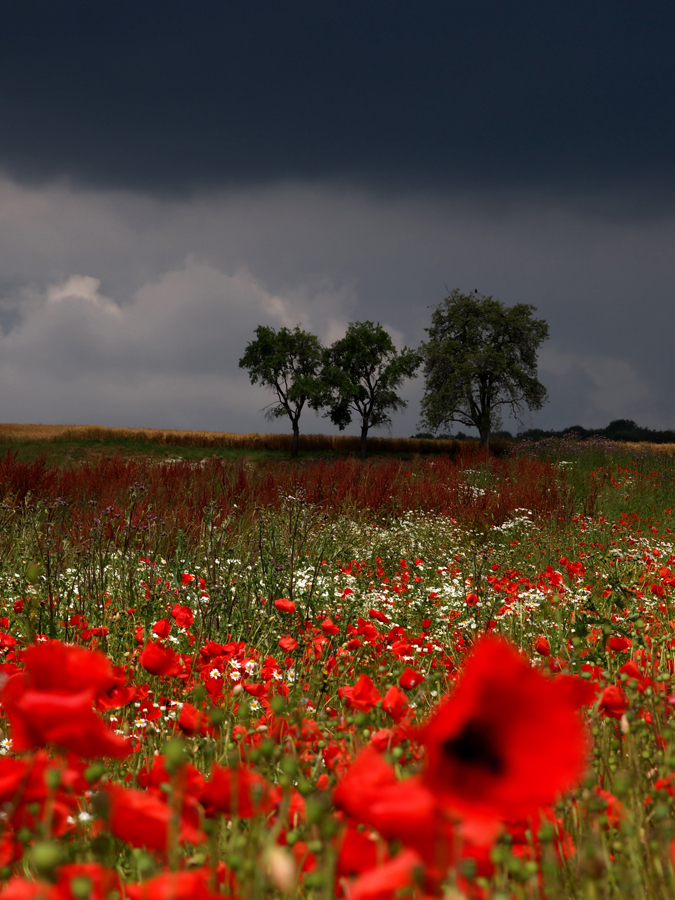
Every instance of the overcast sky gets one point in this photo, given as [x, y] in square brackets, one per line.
[173, 175]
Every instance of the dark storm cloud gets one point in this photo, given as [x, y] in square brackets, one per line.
[171, 96]
[128, 309]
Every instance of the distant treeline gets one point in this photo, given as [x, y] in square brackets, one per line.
[618, 430]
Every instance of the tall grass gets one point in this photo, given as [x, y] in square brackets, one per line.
[476, 489]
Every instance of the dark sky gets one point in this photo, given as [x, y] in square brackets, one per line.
[168, 96]
[173, 174]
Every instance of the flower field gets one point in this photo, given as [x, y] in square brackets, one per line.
[431, 678]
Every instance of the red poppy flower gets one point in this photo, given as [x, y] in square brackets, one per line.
[183, 615]
[329, 627]
[507, 740]
[159, 660]
[580, 691]
[191, 721]
[119, 695]
[613, 702]
[141, 819]
[241, 791]
[618, 644]
[633, 673]
[65, 720]
[187, 781]
[399, 810]
[613, 808]
[284, 605]
[386, 880]
[13, 776]
[51, 702]
[103, 881]
[287, 643]
[358, 852]
[24, 794]
[471, 599]
[361, 696]
[189, 885]
[395, 703]
[162, 628]
[255, 690]
[379, 616]
[410, 678]
[542, 646]
[18, 888]
[54, 666]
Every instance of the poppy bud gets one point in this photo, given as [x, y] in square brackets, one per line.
[278, 704]
[94, 772]
[80, 887]
[33, 572]
[174, 754]
[46, 856]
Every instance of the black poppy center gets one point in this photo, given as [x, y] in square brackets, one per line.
[475, 746]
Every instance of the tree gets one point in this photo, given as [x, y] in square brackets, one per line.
[288, 363]
[362, 374]
[480, 357]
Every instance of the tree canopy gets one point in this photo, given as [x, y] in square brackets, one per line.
[288, 363]
[481, 356]
[362, 375]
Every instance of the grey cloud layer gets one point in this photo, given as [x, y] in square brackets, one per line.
[126, 310]
[168, 97]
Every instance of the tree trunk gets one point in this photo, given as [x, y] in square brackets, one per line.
[296, 440]
[484, 428]
[364, 438]
[485, 438]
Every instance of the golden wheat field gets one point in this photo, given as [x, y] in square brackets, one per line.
[21, 433]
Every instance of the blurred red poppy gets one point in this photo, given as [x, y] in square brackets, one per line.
[618, 643]
[141, 819]
[103, 882]
[54, 666]
[239, 791]
[395, 703]
[580, 691]
[329, 627]
[192, 721]
[542, 646]
[284, 605]
[613, 702]
[410, 678]
[399, 810]
[52, 702]
[507, 740]
[162, 628]
[183, 615]
[379, 616]
[361, 696]
[287, 643]
[18, 888]
[189, 885]
[388, 879]
[358, 851]
[159, 660]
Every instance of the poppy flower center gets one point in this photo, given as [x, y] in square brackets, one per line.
[475, 746]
